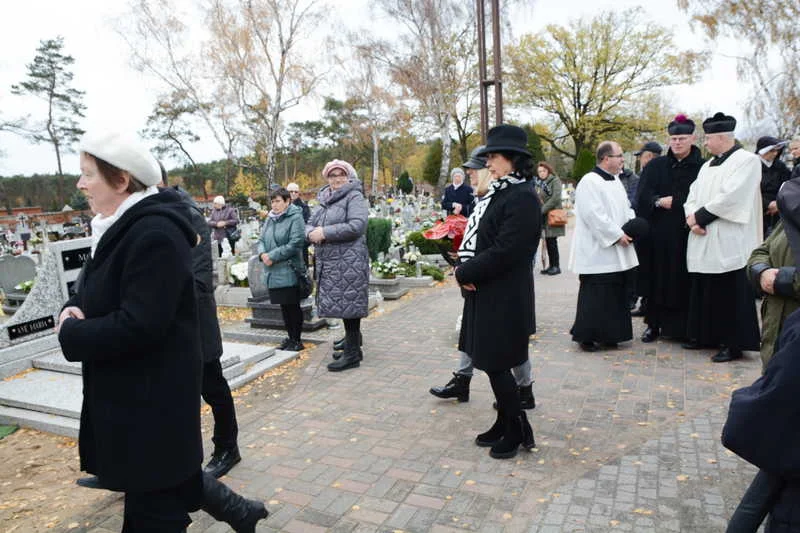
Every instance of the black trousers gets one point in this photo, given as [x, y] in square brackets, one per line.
[293, 320]
[552, 251]
[756, 503]
[163, 510]
[217, 394]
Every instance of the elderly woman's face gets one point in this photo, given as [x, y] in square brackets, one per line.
[102, 197]
[337, 178]
[499, 166]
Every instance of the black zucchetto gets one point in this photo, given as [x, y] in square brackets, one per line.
[719, 123]
[680, 125]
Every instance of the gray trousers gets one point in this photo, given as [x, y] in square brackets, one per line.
[523, 374]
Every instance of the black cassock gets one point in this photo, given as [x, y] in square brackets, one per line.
[664, 275]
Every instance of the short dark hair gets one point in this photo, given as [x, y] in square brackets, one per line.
[522, 163]
[604, 149]
[282, 192]
[113, 175]
[544, 164]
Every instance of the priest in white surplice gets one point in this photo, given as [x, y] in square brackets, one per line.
[602, 254]
[723, 212]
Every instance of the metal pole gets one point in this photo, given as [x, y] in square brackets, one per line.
[484, 84]
[498, 71]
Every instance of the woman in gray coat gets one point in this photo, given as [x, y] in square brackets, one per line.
[337, 229]
[548, 185]
[280, 249]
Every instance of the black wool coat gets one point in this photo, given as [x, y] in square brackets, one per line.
[203, 270]
[464, 195]
[663, 275]
[763, 427]
[499, 316]
[771, 180]
[139, 346]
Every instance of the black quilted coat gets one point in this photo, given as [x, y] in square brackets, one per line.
[342, 261]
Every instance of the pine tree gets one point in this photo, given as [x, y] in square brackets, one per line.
[49, 79]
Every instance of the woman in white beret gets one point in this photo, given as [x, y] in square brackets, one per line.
[133, 326]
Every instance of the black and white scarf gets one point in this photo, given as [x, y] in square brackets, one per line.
[467, 249]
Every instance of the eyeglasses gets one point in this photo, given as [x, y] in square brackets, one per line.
[616, 155]
[337, 175]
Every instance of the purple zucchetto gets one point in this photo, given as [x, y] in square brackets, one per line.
[680, 125]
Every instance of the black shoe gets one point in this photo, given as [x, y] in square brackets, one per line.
[89, 482]
[294, 346]
[221, 462]
[338, 345]
[518, 431]
[494, 435]
[553, 271]
[226, 506]
[691, 345]
[458, 387]
[351, 357]
[727, 354]
[338, 355]
[526, 399]
[589, 346]
[286, 342]
[544, 271]
[650, 334]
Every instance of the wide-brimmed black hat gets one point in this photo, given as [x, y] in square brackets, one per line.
[636, 228]
[650, 146]
[767, 144]
[505, 138]
[719, 123]
[475, 159]
[680, 125]
[789, 208]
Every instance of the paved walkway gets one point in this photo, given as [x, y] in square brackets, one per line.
[627, 439]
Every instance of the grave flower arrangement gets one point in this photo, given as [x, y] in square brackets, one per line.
[386, 269]
[25, 286]
[238, 274]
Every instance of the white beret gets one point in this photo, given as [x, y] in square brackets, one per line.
[125, 152]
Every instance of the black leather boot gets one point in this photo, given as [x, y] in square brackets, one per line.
[526, 399]
[222, 461]
[226, 506]
[517, 432]
[338, 345]
[351, 357]
[494, 435]
[458, 387]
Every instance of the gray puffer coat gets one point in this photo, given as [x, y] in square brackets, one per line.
[342, 261]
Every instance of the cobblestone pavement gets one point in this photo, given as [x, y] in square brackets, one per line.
[627, 439]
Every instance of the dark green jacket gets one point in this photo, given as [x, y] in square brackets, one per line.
[283, 239]
[774, 253]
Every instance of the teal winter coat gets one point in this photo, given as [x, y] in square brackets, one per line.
[283, 240]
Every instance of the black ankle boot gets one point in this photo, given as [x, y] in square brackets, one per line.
[517, 431]
[458, 387]
[494, 435]
[222, 461]
[351, 357]
[226, 506]
[526, 398]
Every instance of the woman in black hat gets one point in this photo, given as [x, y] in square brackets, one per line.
[499, 244]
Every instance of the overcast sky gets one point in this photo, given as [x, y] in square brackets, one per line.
[116, 92]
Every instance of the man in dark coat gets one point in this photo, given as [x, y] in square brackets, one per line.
[215, 389]
[773, 173]
[458, 196]
[294, 191]
[664, 188]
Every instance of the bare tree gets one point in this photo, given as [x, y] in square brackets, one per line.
[255, 45]
[432, 61]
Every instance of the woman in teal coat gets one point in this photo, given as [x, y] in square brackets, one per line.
[280, 248]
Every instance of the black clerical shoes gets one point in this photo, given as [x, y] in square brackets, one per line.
[589, 346]
[650, 334]
[221, 462]
[90, 482]
[727, 354]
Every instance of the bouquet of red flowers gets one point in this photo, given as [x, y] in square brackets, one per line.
[448, 233]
